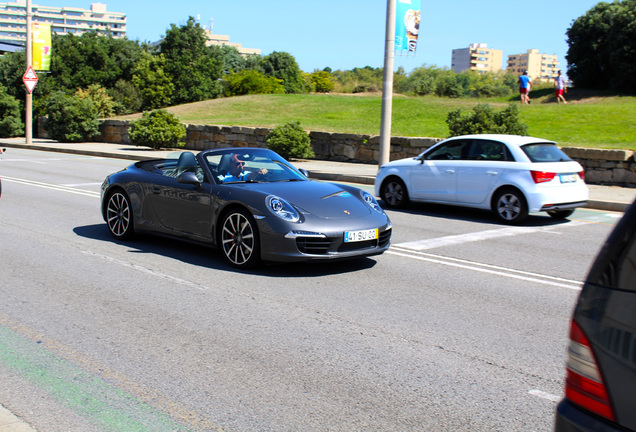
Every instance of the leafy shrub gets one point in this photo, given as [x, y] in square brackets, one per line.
[290, 141]
[322, 81]
[10, 118]
[252, 82]
[483, 119]
[71, 119]
[100, 98]
[157, 129]
[126, 96]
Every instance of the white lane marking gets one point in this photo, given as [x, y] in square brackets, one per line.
[59, 188]
[82, 184]
[147, 270]
[425, 244]
[544, 395]
[487, 268]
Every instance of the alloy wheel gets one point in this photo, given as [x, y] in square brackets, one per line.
[119, 216]
[239, 239]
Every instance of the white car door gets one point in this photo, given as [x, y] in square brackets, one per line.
[479, 173]
[436, 178]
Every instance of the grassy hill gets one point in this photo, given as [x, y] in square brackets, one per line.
[588, 120]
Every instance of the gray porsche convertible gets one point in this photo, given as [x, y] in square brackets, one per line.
[250, 203]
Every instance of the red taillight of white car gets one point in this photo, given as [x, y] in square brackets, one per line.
[584, 385]
[542, 176]
[582, 175]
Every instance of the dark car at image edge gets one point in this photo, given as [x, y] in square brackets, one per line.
[600, 388]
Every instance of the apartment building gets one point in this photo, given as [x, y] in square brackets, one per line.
[63, 20]
[221, 40]
[540, 67]
[477, 57]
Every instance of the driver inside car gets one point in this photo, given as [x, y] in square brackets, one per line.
[238, 173]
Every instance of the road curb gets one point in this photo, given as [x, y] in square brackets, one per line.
[10, 423]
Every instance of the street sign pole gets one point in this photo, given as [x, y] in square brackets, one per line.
[387, 86]
[29, 64]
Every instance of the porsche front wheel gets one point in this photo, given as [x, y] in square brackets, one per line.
[119, 216]
[239, 239]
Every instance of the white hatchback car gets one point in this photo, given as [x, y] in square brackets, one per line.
[511, 175]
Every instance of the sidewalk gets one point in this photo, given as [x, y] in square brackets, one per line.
[11, 423]
[610, 198]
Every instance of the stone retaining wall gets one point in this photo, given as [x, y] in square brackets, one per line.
[613, 167]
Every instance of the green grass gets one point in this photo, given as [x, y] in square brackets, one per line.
[588, 120]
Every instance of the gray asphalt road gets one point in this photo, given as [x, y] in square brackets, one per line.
[462, 325]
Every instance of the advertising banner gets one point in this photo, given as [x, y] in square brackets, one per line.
[41, 47]
[407, 26]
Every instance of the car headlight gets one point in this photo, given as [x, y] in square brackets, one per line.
[282, 209]
[370, 200]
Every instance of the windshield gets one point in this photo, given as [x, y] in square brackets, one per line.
[251, 165]
[545, 152]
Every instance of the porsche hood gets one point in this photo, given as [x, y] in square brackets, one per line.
[323, 200]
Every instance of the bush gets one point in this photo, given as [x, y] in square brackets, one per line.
[290, 141]
[126, 96]
[322, 81]
[100, 98]
[71, 119]
[10, 117]
[483, 119]
[157, 129]
[252, 82]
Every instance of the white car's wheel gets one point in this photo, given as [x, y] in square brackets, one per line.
[394, 193]
[510, 206]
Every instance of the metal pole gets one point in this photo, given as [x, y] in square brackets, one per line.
[29, 62]
[387, 87]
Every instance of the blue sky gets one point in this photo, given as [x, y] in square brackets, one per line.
[343, 34]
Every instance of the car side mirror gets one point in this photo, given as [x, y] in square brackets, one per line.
[304, 172]
[189, 178]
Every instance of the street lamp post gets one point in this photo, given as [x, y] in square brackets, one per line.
[29, 63]
[387, 86]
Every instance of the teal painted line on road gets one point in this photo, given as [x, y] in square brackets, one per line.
[82, 392]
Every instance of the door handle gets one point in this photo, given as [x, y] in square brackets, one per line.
[492, 172]
[450, 171]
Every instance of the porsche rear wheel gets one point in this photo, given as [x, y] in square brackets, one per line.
[119, 216]
[240, 239]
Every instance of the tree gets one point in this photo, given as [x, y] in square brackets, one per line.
[100, 98]
[11, 72]
[79, 61]
[71, 119]
[10, 116]
[283, 66]
[126, 96]
[232, 59]
[602, 47]
[322, 81]
[149, 76]
[193, 68]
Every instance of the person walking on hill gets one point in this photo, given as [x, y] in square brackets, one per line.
[525, 85]
[560, 88]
